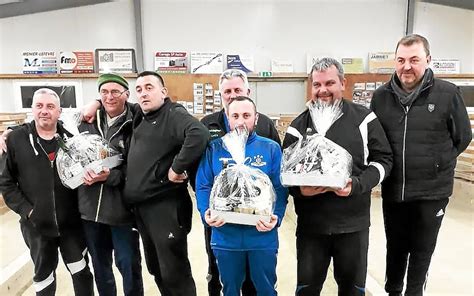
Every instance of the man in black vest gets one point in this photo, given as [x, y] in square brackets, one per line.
[232, 83]
[427, 126]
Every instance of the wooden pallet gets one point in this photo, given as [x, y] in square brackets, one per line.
[465, 165]
[3, 206]
[283, 122]
[9, 119]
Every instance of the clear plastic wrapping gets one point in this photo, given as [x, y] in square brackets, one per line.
[81, 152]
[241, 194]
[314, 160]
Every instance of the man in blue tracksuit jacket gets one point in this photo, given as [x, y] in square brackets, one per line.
[235, 245]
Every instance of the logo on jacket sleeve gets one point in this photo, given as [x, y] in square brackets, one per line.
[431, 107]
[258, 161]
[216, 133]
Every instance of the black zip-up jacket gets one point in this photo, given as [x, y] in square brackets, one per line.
[102, 202]
[426, 139]
[167, 137]
[360, 133]
[216, 124]
[30, 181]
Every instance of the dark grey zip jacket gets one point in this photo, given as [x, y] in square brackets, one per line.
[167, 137]
[426, 138]
[103, 202]
[30, 181]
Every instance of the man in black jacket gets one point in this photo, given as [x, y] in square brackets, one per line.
[427, 126]
[49, 215]
[335, 223]
[167, 141]
[107, 221]
[232, 83]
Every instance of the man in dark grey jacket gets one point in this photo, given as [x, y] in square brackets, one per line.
[107, 221]
[49, 217]
[427, 126]
[167, 141]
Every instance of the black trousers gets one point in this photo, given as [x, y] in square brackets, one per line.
[349, 254]
[164, 224]
[44, 253]
[214, 285]
[412, 230]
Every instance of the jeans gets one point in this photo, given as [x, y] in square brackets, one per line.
[123, 242]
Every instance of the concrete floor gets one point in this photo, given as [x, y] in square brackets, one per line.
[451, 271]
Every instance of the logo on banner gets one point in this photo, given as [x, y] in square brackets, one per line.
[68, 60]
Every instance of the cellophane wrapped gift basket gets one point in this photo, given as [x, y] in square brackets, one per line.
[82, 152]
[241, 194]
[315, 160]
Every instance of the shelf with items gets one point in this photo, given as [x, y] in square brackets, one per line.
[353, 81]
[251, 76]
[59, 76]
[180, 86]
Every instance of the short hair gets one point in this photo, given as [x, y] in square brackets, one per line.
[152, 73]
[242, 99]
[46, 91]
[230, 73]
[325, 63]
[414, 38]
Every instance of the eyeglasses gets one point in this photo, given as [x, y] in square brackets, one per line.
[115, 93]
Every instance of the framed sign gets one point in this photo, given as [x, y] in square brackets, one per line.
[120, 60]
[76, 62]
[39, 62]
[171, 62]
[69, 92]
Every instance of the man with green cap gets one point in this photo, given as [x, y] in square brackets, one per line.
[107, 221]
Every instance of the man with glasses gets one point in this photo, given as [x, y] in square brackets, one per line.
[232, 83]
[107, 221]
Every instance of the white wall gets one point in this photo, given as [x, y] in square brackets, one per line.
[449, 30]
[83, 28]
[268, 29]
[273, 29]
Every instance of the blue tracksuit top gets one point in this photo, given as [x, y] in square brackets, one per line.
[261, 153]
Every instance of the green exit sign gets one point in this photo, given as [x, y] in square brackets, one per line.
[265, 74]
